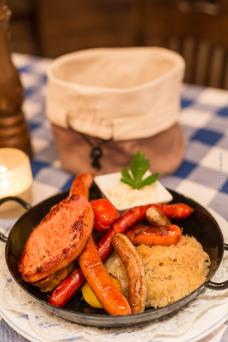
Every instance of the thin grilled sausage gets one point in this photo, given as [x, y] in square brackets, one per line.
[130, 218]
[135, 272]
[112, 300]
[67, 288]
[147, 235]
[176, 210]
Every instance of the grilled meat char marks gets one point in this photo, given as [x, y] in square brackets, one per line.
[58, 239]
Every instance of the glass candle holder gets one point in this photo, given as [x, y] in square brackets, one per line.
[15, 176]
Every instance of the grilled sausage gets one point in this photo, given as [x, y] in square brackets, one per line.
[135, 272]
[129, 218]
[163, 235]
[67, 288]
[156, 217]
[175, 211]
[112, 300]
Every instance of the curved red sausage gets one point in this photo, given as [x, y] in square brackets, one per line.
[176, 210]
[112, 300]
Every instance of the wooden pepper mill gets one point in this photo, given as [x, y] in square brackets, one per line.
[13, 128]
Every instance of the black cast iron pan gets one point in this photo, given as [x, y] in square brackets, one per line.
[200, 224]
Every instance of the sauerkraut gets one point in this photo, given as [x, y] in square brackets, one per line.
[172, 272]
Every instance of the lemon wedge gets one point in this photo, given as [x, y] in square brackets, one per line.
[90, 297]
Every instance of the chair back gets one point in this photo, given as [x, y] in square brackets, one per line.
[198, 29]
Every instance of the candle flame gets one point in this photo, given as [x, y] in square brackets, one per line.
[3, 169]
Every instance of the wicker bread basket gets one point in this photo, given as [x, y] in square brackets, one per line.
[104, 104]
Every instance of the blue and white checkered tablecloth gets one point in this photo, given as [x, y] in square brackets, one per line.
[202, 175]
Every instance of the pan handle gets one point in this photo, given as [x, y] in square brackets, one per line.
[218, 286]
[20, 201]
[3, 238]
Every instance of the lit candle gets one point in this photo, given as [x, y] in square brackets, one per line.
[15, 175]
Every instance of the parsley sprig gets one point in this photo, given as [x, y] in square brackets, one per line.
[134, 176]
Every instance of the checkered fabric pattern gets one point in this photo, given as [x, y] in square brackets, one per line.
[202, 175]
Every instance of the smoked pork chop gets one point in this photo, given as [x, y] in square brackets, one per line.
[57, 240]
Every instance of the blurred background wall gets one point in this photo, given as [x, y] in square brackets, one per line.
[198, 29]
